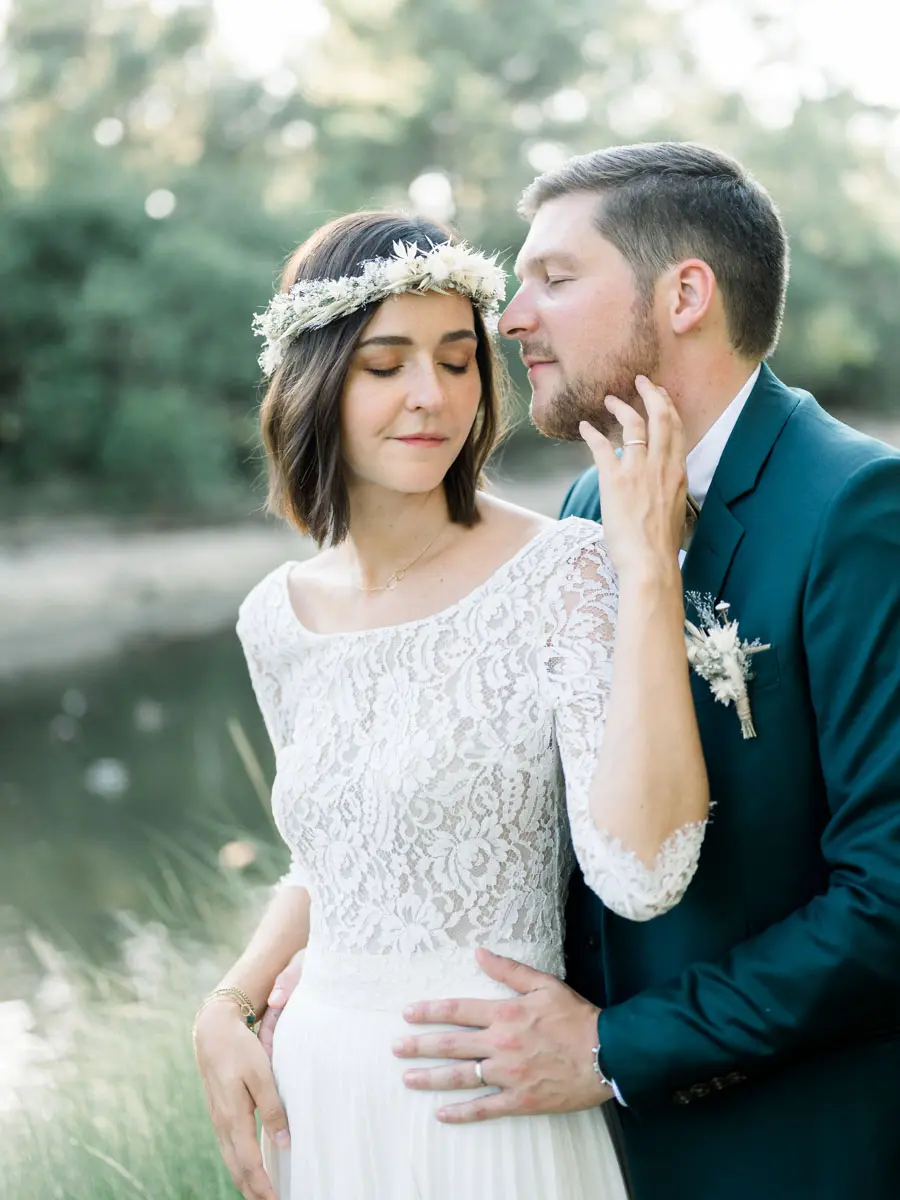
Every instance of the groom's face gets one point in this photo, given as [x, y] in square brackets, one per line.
[584, 330]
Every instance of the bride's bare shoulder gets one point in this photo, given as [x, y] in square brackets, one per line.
[510, 523]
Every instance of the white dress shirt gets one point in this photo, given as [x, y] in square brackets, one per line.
[704, 458]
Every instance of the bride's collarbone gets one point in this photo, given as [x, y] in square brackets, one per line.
[327, 598]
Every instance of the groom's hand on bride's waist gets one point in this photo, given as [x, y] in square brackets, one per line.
[535, 1047]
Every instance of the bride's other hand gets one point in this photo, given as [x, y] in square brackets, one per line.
[239, 1081]
[643, 492]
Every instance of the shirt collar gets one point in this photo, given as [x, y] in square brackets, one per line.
[704, 458]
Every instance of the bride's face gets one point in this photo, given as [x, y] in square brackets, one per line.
[412, 393]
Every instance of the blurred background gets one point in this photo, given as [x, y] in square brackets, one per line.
[159, 161]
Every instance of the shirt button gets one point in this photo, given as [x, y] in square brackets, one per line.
[593, 941]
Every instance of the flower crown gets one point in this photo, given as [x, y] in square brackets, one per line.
[313, 303]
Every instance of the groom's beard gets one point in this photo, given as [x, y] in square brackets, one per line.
[583, 398]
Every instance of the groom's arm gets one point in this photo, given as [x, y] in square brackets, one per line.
[833, 966]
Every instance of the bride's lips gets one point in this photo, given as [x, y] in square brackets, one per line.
[423, 441]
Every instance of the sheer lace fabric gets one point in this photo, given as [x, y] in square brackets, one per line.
[433, 777]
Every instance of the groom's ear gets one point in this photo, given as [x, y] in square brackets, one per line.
[690, 289]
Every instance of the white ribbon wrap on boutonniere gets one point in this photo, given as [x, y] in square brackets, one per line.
[718, 655]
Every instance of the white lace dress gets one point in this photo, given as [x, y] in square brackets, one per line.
[420, 788]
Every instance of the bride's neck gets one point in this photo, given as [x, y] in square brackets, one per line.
[388, 530]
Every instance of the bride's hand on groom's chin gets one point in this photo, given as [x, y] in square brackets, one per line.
[643, 486]
[537, 1047]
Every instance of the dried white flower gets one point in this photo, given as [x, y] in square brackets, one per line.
[718, 655]
[313, 303]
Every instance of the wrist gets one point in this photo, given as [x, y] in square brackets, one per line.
[651, 579]
[233, 999]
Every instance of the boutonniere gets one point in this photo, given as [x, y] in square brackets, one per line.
[718, 655]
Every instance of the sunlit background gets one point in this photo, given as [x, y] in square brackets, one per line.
[159, 160]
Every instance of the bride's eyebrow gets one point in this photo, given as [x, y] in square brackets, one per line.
[458, 335]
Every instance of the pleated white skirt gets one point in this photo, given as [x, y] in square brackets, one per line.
[357, 1133]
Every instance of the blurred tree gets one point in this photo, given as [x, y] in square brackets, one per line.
[150, 193]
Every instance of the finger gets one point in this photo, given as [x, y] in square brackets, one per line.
[252, 1181]
[271, 1111]
[514, 974]
[634, 427]
[599, 446]
[267, 1029]
[474, 1014]
[441, 1045]
[452, 1078]
[663, 421]
[286, 981]
[484, 1108]
[230, 1158]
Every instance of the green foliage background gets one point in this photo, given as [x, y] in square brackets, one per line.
[128, 374]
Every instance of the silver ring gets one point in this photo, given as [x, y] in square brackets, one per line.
[479, 1072]
[634, 442]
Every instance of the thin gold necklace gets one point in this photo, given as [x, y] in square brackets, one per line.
[395, 576]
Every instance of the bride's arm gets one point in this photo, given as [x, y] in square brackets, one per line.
[637, 790]
[650, 779]
[283, 930]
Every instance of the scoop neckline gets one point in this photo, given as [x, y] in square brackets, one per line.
[415, 622]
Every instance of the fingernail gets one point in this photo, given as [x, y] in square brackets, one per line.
[409, 1013]
[398, 1046]
[282, 1139]
[275, 998]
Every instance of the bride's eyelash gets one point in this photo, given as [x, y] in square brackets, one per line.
[386, 372]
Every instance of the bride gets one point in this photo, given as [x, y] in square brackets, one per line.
[438, 685]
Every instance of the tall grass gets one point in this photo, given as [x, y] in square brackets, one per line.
[120, 1111]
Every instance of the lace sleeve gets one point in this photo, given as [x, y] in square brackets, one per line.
[578, 668]
[266, 676]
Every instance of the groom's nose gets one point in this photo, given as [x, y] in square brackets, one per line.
[518, 319]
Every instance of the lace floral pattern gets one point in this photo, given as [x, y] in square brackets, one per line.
[420, 767]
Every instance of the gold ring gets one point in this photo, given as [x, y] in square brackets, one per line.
[634, 442]
[479, 1072]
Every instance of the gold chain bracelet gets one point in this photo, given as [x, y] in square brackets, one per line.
[245, 1004]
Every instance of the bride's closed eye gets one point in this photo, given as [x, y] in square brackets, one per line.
[387, 372]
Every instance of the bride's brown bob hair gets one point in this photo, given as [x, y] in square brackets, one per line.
[300, 417]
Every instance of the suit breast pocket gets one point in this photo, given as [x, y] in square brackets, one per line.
[766, 677]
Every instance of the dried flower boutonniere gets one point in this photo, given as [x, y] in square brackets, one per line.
[718, 655]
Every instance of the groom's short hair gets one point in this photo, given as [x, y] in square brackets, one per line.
[661, 202]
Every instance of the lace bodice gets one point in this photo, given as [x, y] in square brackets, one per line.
[420, 768]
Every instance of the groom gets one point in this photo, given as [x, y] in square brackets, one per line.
[751, 1036]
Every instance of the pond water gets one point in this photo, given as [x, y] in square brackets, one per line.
[115, 780]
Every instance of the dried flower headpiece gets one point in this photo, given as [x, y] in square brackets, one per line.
[313, 303]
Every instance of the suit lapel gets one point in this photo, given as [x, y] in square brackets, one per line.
[719, 532]
[716, 538]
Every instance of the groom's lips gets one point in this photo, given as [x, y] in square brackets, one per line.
[535, 364]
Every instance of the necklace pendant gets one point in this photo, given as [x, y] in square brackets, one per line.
[398, 575]
[391, 583]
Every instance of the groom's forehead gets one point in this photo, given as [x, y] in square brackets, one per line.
[562, 232]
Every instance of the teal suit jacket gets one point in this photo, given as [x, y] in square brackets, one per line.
[754, 1030]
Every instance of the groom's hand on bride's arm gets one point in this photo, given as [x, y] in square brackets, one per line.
[536, 1047]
